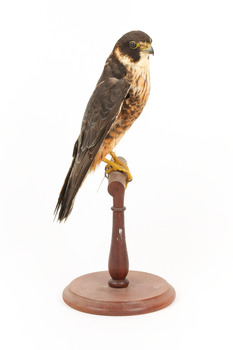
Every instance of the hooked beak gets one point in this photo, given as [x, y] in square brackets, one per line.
[149, 50]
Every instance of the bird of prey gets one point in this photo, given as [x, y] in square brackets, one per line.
[117, 101]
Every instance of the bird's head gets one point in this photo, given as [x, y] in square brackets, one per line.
[132, 47]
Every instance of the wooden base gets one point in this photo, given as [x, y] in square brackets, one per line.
[145, 293]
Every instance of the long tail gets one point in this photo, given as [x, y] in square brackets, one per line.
[73, 181]
[64, 204]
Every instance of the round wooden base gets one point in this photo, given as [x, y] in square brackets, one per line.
[145, 293]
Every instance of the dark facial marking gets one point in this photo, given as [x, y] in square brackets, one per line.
[128, 44]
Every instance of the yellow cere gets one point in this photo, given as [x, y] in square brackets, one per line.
[145, 46]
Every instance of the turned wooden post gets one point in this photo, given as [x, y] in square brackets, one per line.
[144, 293]
[118, 263]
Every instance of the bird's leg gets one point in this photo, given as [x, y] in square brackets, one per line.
[117, 165]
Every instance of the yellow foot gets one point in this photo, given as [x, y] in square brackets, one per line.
[117, 165]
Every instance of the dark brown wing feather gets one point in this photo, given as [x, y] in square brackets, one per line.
[102, 109]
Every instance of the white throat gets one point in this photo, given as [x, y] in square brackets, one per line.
[143, 62]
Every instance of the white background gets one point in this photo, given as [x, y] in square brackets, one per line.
[179, 206]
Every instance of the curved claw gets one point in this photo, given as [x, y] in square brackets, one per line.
[117, 165]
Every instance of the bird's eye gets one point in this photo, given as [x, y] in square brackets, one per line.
[133, 45]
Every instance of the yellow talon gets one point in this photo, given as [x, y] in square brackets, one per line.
[117, 165]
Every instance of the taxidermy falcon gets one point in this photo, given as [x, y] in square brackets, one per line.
[117, 101]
